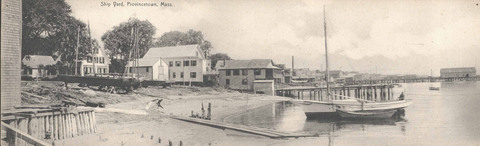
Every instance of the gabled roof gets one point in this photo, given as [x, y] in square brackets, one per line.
[458, 69]
[144, 62]
[245, 64]
[34, 61]
[175, 51]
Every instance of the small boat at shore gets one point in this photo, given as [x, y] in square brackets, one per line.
[329, 108]
[365, 114]
[434, 88]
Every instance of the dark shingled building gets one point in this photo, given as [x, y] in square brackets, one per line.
[11, 53]
[458, 72]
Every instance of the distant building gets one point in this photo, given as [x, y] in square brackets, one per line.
[187, 64]
[149, 69]
[336, 74]
[361, 76]
[36, 66]
[101, 61]
[458, 72]
[241, 74]
[304, 74]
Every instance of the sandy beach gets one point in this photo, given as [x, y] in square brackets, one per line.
[136, 120]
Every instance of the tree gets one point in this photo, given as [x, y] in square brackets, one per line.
[49, 29]
[118, 42]
[174, 38]
[219, 56]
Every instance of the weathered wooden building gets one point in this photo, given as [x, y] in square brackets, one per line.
[11, 51]
[458, 72]
[149, 69]
[241, 74]
[36, 66]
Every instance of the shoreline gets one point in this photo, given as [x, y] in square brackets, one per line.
[116, 127]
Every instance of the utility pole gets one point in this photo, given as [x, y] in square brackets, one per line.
[76, 50]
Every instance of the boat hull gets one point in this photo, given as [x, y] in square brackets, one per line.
[329, 109]
[316, 110]
[366, 114]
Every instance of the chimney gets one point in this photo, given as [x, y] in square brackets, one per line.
[224, 60]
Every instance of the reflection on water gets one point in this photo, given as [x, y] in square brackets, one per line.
[285, 116]
[435, 117]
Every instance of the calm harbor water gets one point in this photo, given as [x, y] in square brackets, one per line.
[447, 117]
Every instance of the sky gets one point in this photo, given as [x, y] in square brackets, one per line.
[386, 37]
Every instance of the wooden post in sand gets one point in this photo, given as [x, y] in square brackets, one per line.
[91, 121]
[209, 114]
[95, 122]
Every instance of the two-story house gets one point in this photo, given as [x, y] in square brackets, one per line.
[186, 64]
[97, 63]
[241, 74]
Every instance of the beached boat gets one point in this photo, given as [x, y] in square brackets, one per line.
[434, 88]
[365, 114]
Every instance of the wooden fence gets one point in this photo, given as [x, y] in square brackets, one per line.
[48, 124]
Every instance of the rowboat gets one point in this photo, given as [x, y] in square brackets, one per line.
[366, 114]
[329, 109]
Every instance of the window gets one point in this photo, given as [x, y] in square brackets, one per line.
[146, 69]
[244, 82]
[181, 74]
[228, 73]
[102, 60]
[104, 70]
[194, 62]
[244, 72]
[95, 59]
[236, 72]
[178, 63]
[186, 63]
[227, 81]
[89, 59]
[174, 75]
[170, 63]
[258, 72]
[131, 70]
[99, 70]
[193, 75]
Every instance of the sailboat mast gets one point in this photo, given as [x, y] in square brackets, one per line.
[327, 75]
[91, 47]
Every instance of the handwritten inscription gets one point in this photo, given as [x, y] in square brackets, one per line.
[135, 4]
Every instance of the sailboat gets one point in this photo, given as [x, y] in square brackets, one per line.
[431, 86]
[351, 105]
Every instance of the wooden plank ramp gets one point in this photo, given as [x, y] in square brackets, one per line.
[247, 129]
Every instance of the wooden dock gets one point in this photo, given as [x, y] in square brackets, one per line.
[374, 92]
[247, 129]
